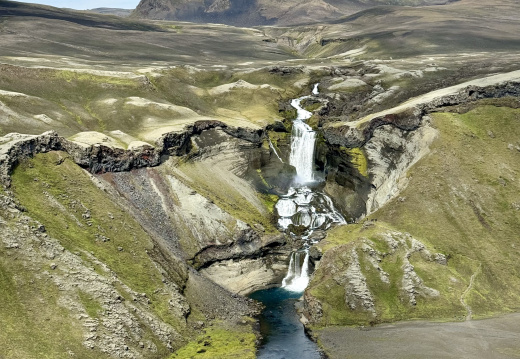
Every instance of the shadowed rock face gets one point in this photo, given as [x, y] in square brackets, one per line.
[259, 12]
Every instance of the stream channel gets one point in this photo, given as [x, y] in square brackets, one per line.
[304, 207]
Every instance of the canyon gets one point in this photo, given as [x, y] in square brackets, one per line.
[146, 203]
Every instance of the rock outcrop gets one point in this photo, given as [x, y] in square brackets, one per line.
[409, 115]
[390, 142]
[99, 158]
[350, 278]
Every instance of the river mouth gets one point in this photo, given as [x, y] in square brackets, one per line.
[282, 333]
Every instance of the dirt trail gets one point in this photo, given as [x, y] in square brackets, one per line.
[465, 293]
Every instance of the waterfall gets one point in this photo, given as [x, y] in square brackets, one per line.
[297, 277]
[290, 272]
[302, 206]
[297, 269]
[302, 151]
[301, 113]
[274, 150]
[315, 89]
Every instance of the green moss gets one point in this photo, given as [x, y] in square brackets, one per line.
[458, 202]
[33, 324]
[220, 343]
[259, 171]
[313, 107]
[269, 201]
[226, 196]
[92, 306]
[278, 138]
[313, 122]
[288, 114]
[71, 76]
[358, 159]
[175, 28]
[102, 126]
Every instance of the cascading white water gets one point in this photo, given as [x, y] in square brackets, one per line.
[315, 90]
[297, 277]
[301, 206]
[303, 139]
[290, 272]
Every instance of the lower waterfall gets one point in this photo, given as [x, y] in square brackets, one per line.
[297, 277]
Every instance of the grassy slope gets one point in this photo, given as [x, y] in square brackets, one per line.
[78, 101]
[58, 194]
[29, 313]
[460, 202]
[220, 343]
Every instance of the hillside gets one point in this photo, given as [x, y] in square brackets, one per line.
[112, 11]
[263, 12]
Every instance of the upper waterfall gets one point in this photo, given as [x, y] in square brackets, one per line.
[303, 139]
[301, 113]
[315, 90]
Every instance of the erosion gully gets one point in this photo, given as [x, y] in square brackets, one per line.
[304, 207]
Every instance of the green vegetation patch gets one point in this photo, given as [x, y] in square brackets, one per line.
[220, 343]
[91, 305]
[358, 160]
[269, 201]
[33, 324]
[228, 197]
[90, 78]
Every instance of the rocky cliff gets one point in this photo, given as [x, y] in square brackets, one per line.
[120, 239]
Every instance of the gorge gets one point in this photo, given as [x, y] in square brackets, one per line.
[306, 209]
[160, 180]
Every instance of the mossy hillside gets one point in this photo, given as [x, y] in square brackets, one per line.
[470, 183]
[279, 139]
[74, 100]
[60, 195]
[91, 305]
[77, 101]
[221, 343]
[191, 88]
[358, 160]
[33, 324]
[390, 301]
[460, 201]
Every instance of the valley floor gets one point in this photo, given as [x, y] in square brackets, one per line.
[494, 338]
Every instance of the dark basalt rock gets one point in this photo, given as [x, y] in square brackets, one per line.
[285, 70]
[247, 244]
[411, 118]
[100, 159]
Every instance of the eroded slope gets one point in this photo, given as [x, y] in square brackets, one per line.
[445, 247]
